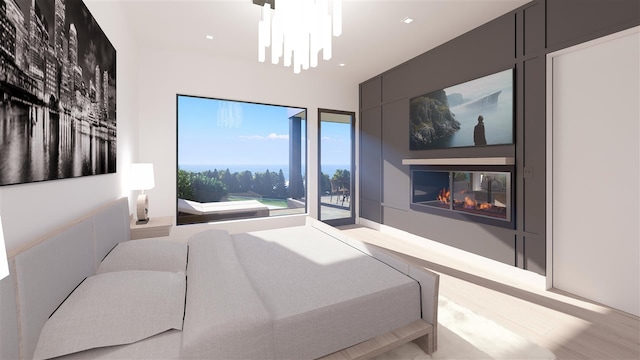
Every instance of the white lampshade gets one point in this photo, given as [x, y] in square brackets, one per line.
[4, 266]
[142, 176]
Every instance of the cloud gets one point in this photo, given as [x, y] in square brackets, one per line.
[329, 139]
[276, 136]
[272, 136]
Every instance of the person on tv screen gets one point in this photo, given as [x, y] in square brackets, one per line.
[478, 133]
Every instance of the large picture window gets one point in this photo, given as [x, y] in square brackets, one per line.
[239, 160]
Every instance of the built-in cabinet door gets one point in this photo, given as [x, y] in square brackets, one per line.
[370, 170]
[594, 117]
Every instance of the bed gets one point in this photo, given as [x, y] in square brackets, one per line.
[304, 292]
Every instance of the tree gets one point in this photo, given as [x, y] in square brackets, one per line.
[185, 191]
[258, 183]
[212, 174]
[343, 178]
[245, 181]
[267, 184]
[207, 189]
[230, 181]
[201, 187]
[280, 187]
[325, 183]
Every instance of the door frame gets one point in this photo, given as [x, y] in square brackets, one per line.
[352, 218]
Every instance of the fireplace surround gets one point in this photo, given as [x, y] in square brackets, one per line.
[476, 193]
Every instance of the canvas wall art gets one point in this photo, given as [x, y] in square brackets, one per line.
[57, 92]
[474, 113]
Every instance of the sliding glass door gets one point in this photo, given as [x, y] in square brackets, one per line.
[336, 135]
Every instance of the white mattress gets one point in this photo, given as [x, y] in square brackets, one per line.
[322, 294]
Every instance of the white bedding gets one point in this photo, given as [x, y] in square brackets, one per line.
[146, 254]
[312, 294]
[293, 293]
[224, 317]
[114, 308]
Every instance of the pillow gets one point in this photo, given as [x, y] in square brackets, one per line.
[114, 308]
[154, 255]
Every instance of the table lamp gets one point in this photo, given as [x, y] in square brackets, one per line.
[4, 266]
[142, 179]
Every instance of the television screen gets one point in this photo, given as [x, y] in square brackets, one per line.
[475, 113]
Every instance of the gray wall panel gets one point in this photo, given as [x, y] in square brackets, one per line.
[534, 146]
[483, 51]
[371, 152]
[533, 25]
[535, 253]
[370, 93]
[371, 210]
[491, 242]
[570, 22]
[395, 141]
[520, 39]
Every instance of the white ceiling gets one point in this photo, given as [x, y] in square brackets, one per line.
[374, 39]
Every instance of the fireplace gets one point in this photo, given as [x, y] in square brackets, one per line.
[473, 193]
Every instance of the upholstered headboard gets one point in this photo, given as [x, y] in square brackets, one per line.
[8, 320]
[46, 271]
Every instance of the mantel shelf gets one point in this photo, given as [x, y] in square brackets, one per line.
[461, 161]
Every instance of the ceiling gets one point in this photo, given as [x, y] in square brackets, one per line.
[373, 40]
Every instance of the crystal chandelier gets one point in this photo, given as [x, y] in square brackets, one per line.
[298, 31]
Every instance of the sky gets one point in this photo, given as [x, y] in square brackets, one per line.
[224, 132]
[335, 143]
[483, 86]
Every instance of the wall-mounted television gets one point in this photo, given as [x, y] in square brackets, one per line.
[474, 113]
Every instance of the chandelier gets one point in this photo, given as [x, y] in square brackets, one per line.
[298, 31]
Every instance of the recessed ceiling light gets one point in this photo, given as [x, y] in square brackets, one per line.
[209, 37]
[407, 20]
[341, 65]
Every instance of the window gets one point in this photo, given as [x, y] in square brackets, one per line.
[336, 139]
[239, 160]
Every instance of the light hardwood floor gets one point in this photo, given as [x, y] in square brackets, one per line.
[568, 326]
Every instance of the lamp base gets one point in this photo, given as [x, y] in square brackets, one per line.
[142, 209]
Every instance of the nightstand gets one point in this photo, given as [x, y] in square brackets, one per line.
[156, 227]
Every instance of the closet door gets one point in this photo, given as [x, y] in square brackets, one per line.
[595, 162]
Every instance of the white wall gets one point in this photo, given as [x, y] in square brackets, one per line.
[32, 210]
[165, 73]
[596, 170]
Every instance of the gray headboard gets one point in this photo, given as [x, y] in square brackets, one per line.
[8, 320]
[47, 270]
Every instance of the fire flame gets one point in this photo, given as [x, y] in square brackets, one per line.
[470, 204]
[444, 196]
[473, 204]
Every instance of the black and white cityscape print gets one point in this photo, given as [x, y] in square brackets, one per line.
[57, 92]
